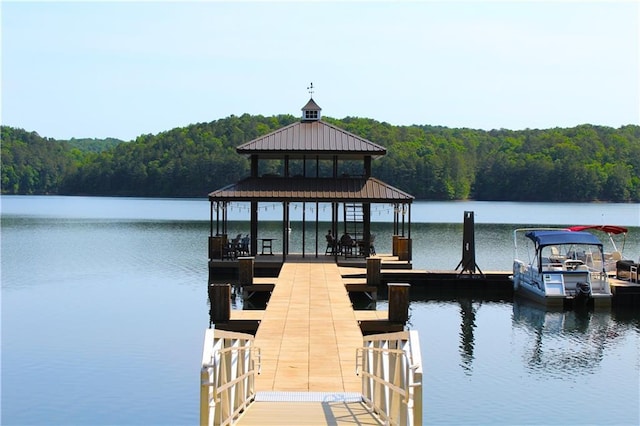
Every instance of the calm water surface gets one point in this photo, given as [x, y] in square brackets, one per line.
[104, 307]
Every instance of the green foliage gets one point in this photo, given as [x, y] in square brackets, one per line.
[183, 162]
[32, 164]
[93, 145]
[583, 163]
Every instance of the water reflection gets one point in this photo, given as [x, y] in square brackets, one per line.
[564, 343]
[467, 327]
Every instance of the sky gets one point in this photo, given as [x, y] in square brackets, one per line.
[123, 69]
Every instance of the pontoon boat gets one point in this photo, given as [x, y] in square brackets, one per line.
[556, 271]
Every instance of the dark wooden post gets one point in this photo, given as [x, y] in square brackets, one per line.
[404, 248]
[215, 247]
[245, 271]
[374, 276]
[366, 229]
[254, 229]
[367, 166]
[254, 166]
[468, 262]
[220, 302]
[394, 245]
[399, 302]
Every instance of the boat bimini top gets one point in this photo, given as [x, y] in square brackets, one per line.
[609, 229]
[543, 238]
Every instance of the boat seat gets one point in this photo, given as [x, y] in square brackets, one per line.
[572, 264]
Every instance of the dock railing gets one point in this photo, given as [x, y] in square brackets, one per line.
[391, 368]
[230, 363]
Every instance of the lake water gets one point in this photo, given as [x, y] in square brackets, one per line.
[104, 307]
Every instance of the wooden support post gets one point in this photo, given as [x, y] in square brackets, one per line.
[468, 262]
[220, 302]
[399, 302]
[394, 245]
[404, 248]
[374, 275]
[245, 271]
[216, 245]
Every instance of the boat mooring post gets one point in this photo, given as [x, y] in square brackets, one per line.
[398, 302]
[220, 303]
[374, 274]
[468, 262]
[245, 270]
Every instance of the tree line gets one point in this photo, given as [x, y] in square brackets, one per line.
[582, 163]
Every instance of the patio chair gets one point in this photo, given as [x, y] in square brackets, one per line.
[231, 250]
[346, 244]
[244, 246]
[331, 245]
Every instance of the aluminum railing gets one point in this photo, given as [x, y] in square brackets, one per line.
[391, 368]
[227, 379]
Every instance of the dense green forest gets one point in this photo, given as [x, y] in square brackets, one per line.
[92, 144]
[583, 163]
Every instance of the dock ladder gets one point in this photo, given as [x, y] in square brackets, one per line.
[354, 220]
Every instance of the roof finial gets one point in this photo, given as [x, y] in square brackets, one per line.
[310, 89]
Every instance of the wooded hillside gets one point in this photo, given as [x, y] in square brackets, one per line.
[583, 163]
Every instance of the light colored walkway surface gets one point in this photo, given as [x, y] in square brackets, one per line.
[309, 334]
[308, 413]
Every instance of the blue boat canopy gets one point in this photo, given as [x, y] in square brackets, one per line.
[553, 237]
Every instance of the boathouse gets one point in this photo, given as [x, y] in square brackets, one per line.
[308, 351]
[310, 162]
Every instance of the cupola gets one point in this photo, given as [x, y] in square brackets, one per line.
[311, 111]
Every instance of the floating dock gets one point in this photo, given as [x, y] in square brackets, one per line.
[492, 285]
[309, 336]
[625, 292]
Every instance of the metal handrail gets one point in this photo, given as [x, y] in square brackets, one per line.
[392, 377]
[230, 364]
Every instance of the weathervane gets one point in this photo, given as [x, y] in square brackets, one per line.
[310, 89]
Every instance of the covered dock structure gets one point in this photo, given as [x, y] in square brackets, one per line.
[310, 162]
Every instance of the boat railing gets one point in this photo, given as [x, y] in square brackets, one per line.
[519, 234]
[230, 363]
[391, 368]
[600, 282]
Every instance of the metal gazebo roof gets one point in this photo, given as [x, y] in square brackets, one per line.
[359, 190]
[311, 138]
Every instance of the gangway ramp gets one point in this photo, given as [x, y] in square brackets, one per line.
[309, 408]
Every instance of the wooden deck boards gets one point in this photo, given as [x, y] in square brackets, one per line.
[309, 333]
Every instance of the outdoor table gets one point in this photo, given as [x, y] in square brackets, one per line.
[267, 244]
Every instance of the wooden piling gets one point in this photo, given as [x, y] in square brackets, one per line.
[404, 248]
[216, 244]
[245, 270]
[220, 302]
[394, 245]
[374, 275]
[398, 302]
